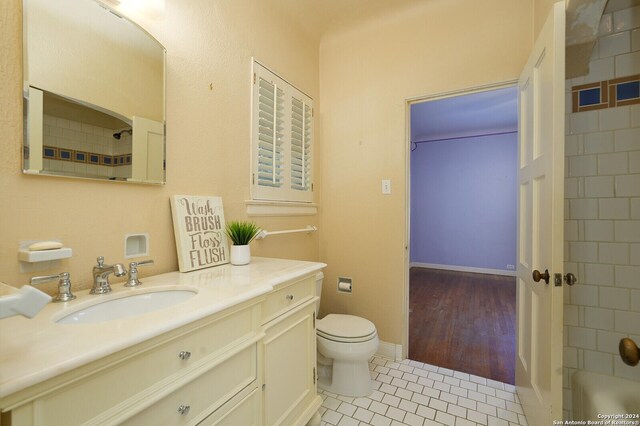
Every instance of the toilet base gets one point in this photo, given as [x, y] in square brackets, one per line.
[347, 379]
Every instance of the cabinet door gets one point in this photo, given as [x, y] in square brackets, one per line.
[289, 367]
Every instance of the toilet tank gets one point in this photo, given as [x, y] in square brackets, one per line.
[319, 278]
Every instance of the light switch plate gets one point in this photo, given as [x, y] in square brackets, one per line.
[386, 186]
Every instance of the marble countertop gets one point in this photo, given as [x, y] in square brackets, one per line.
[37, 349]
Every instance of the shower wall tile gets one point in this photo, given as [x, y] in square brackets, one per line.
[602, 191]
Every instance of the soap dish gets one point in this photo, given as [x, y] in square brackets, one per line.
[44, 255]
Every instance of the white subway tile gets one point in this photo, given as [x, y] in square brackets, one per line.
[627, 139]
[627, 64]
[570, 314]
[627, 231]
[571, 230]
[635, 40]
[599, 318]
[600, 69]
[570, 145]
[597, 143]
[597, 274]
[635, 115]
[613, 253]
[583, 165]
[613, 164]
[583, 338]
[626, 19]
[628, 186]
[613, 5]
[615, 298]
[606, 24]
[583, 252]
[608, 341]
[614, 118]
[614, 44]
[584, 208]
[635, 300]
[584, 295]
[634, 162]
[598, 230]
[625, 371]
[570, 357]
[628, 322]
[583, 122]
[613, 208]
[628, 276]
[570, 188]
[598, 362]
[599, 186]
[634, 254]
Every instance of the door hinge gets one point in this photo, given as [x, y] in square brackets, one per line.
[557, 280]
[312, 111]
[253, 179]
[314, 320]
[25, 152]
[254, 78]
[264, 386]
[311, 187]
[314, 375]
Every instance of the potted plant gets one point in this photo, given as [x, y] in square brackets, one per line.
[241, 233]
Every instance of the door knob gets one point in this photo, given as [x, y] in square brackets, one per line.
[629, 352]
[537, 276]
[570, 279]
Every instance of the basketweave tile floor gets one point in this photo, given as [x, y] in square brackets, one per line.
[418, 394]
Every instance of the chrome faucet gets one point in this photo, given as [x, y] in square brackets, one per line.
[64, 286]
[101, 275]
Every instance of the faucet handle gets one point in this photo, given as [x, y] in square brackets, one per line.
[100, 260]
[64, 285]
[133, 280]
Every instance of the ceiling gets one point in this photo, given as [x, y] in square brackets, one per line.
[494, 111]
[317, 17]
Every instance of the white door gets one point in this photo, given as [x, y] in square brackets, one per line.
[147, 151]
[540, 225]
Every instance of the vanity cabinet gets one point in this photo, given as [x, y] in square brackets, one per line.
[289, 358]
[252, 364]
[178, 378]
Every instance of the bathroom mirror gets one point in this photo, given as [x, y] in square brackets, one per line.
[94, 94]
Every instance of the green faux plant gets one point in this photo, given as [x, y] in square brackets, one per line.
[241, 233]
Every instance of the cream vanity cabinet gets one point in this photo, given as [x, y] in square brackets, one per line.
[206, 371]
[289, 354]
[251, 364]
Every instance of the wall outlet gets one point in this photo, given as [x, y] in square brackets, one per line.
[511, 267]
[386, 186]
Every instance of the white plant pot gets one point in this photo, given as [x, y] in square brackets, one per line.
[240, 255]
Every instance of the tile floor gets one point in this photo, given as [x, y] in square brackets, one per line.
[417, 394]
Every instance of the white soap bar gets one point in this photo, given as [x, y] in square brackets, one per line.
[45, 245]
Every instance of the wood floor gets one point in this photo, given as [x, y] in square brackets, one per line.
[463, 321]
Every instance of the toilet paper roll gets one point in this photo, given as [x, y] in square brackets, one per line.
[344, 286]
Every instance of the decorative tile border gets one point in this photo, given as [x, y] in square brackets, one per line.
[55, 153]
[606, 94]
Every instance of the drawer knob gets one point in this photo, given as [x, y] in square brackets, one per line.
[184, 410]
[289, 296]
[185, 355]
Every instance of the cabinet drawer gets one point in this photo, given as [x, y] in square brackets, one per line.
[244, 413]
[152, 369]
[286, 297]
[191, 403]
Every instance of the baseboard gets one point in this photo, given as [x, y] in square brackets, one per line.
[464, 269]
[390, 351]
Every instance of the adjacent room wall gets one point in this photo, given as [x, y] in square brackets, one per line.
[602, 213]
[367, 73]
[210, 46]
[463, 204]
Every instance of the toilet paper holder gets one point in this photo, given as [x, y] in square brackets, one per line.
[345, 285]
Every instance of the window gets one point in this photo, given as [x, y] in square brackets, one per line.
[282, 139]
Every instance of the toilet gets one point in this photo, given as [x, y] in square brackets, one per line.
[345, 344]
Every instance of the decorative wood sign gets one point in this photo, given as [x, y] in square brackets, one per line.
[198, 225]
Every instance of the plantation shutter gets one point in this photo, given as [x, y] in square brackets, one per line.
[282, 139]
[270, 134]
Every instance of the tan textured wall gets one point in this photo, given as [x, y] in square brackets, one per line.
[366, 75]
[541, 11]
[208, 139]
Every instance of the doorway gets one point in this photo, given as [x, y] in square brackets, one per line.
[463, 232]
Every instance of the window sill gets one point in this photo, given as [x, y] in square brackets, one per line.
[280, 208]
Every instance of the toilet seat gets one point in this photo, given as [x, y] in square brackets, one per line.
[345, 328]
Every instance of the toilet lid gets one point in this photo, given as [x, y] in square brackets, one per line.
[345, 326]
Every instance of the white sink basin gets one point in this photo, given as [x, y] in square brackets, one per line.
[127, 306]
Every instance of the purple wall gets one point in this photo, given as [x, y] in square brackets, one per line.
[463, 202]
